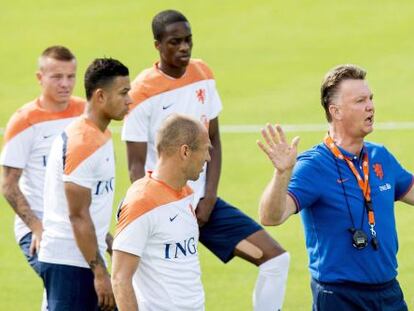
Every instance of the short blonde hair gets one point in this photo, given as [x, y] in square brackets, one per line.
[178, 130]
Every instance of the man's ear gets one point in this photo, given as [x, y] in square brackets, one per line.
[185, 152]
[39, 77]
[99, 95]
[335, 112]
[157, 44]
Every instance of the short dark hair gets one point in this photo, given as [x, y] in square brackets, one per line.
[333, 78]
[163, 19]
[102, 71]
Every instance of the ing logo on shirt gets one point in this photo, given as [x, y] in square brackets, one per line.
[104, 186]
[185, 248]
[201, 95]
[378, 170]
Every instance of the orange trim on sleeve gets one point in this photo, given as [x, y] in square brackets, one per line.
[152, 81]
[31, 114]
[143, 196]
[83, 139]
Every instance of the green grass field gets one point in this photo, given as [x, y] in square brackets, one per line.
[269, 58]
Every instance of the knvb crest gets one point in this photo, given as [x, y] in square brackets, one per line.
[201, 95]
[378, 170]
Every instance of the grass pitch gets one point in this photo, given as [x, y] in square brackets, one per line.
[269, 58]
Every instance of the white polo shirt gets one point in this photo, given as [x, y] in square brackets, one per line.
[158, 224]
[83, 155]
[156, 96]
[27, 141]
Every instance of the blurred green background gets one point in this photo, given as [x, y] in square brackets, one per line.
[269, 58]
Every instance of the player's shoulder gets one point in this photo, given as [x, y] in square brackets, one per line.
[148, 83]
[20, 120]
[83, 133]
[152, 82]
[77, 104]
[201, 67]
[81, 139]
[147, 195]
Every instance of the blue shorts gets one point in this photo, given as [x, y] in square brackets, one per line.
[69, 288]
[24, 244]
[226, 227]
[357, 296]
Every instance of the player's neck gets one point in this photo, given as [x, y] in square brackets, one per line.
[171, 71]
[349, 143]
[52, 106]
[167, 172]
[100, 121]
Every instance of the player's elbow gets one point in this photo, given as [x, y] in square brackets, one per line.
[268, 218]
[4, 188]
[76, 219]
[270, 221]
[8, 188]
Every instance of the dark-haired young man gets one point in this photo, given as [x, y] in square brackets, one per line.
[344, 189]
[27, 140]
[179, 84]
[80, 181]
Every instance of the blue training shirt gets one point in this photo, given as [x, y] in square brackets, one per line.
[316, 187]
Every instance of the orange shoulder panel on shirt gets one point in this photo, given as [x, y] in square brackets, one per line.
[143, 196]
[83, 139]
[31, 114]
[152, 81]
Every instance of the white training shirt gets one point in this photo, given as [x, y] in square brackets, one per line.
[158, 224]
[156, 96]
[83, 155]
[27, 141]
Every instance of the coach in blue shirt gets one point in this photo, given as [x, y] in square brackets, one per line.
[344, 189]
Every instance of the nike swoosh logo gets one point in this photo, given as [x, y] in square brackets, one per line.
[47, 136]
[172, 218]
[341, 181]
[166, 107]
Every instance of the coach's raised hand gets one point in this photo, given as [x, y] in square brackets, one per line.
[282, 155]
[275, 205]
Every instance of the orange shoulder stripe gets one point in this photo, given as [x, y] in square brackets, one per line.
[31, 114]
[143, 196]
[152, 81]
[81, 139]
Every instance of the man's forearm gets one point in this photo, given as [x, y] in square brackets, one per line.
[124, 295]
[136, 156]
[109, 239]
[85, 236]
[273, 202]
[136, 171]
[214, 166]
[21, 207]
[213, 170]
